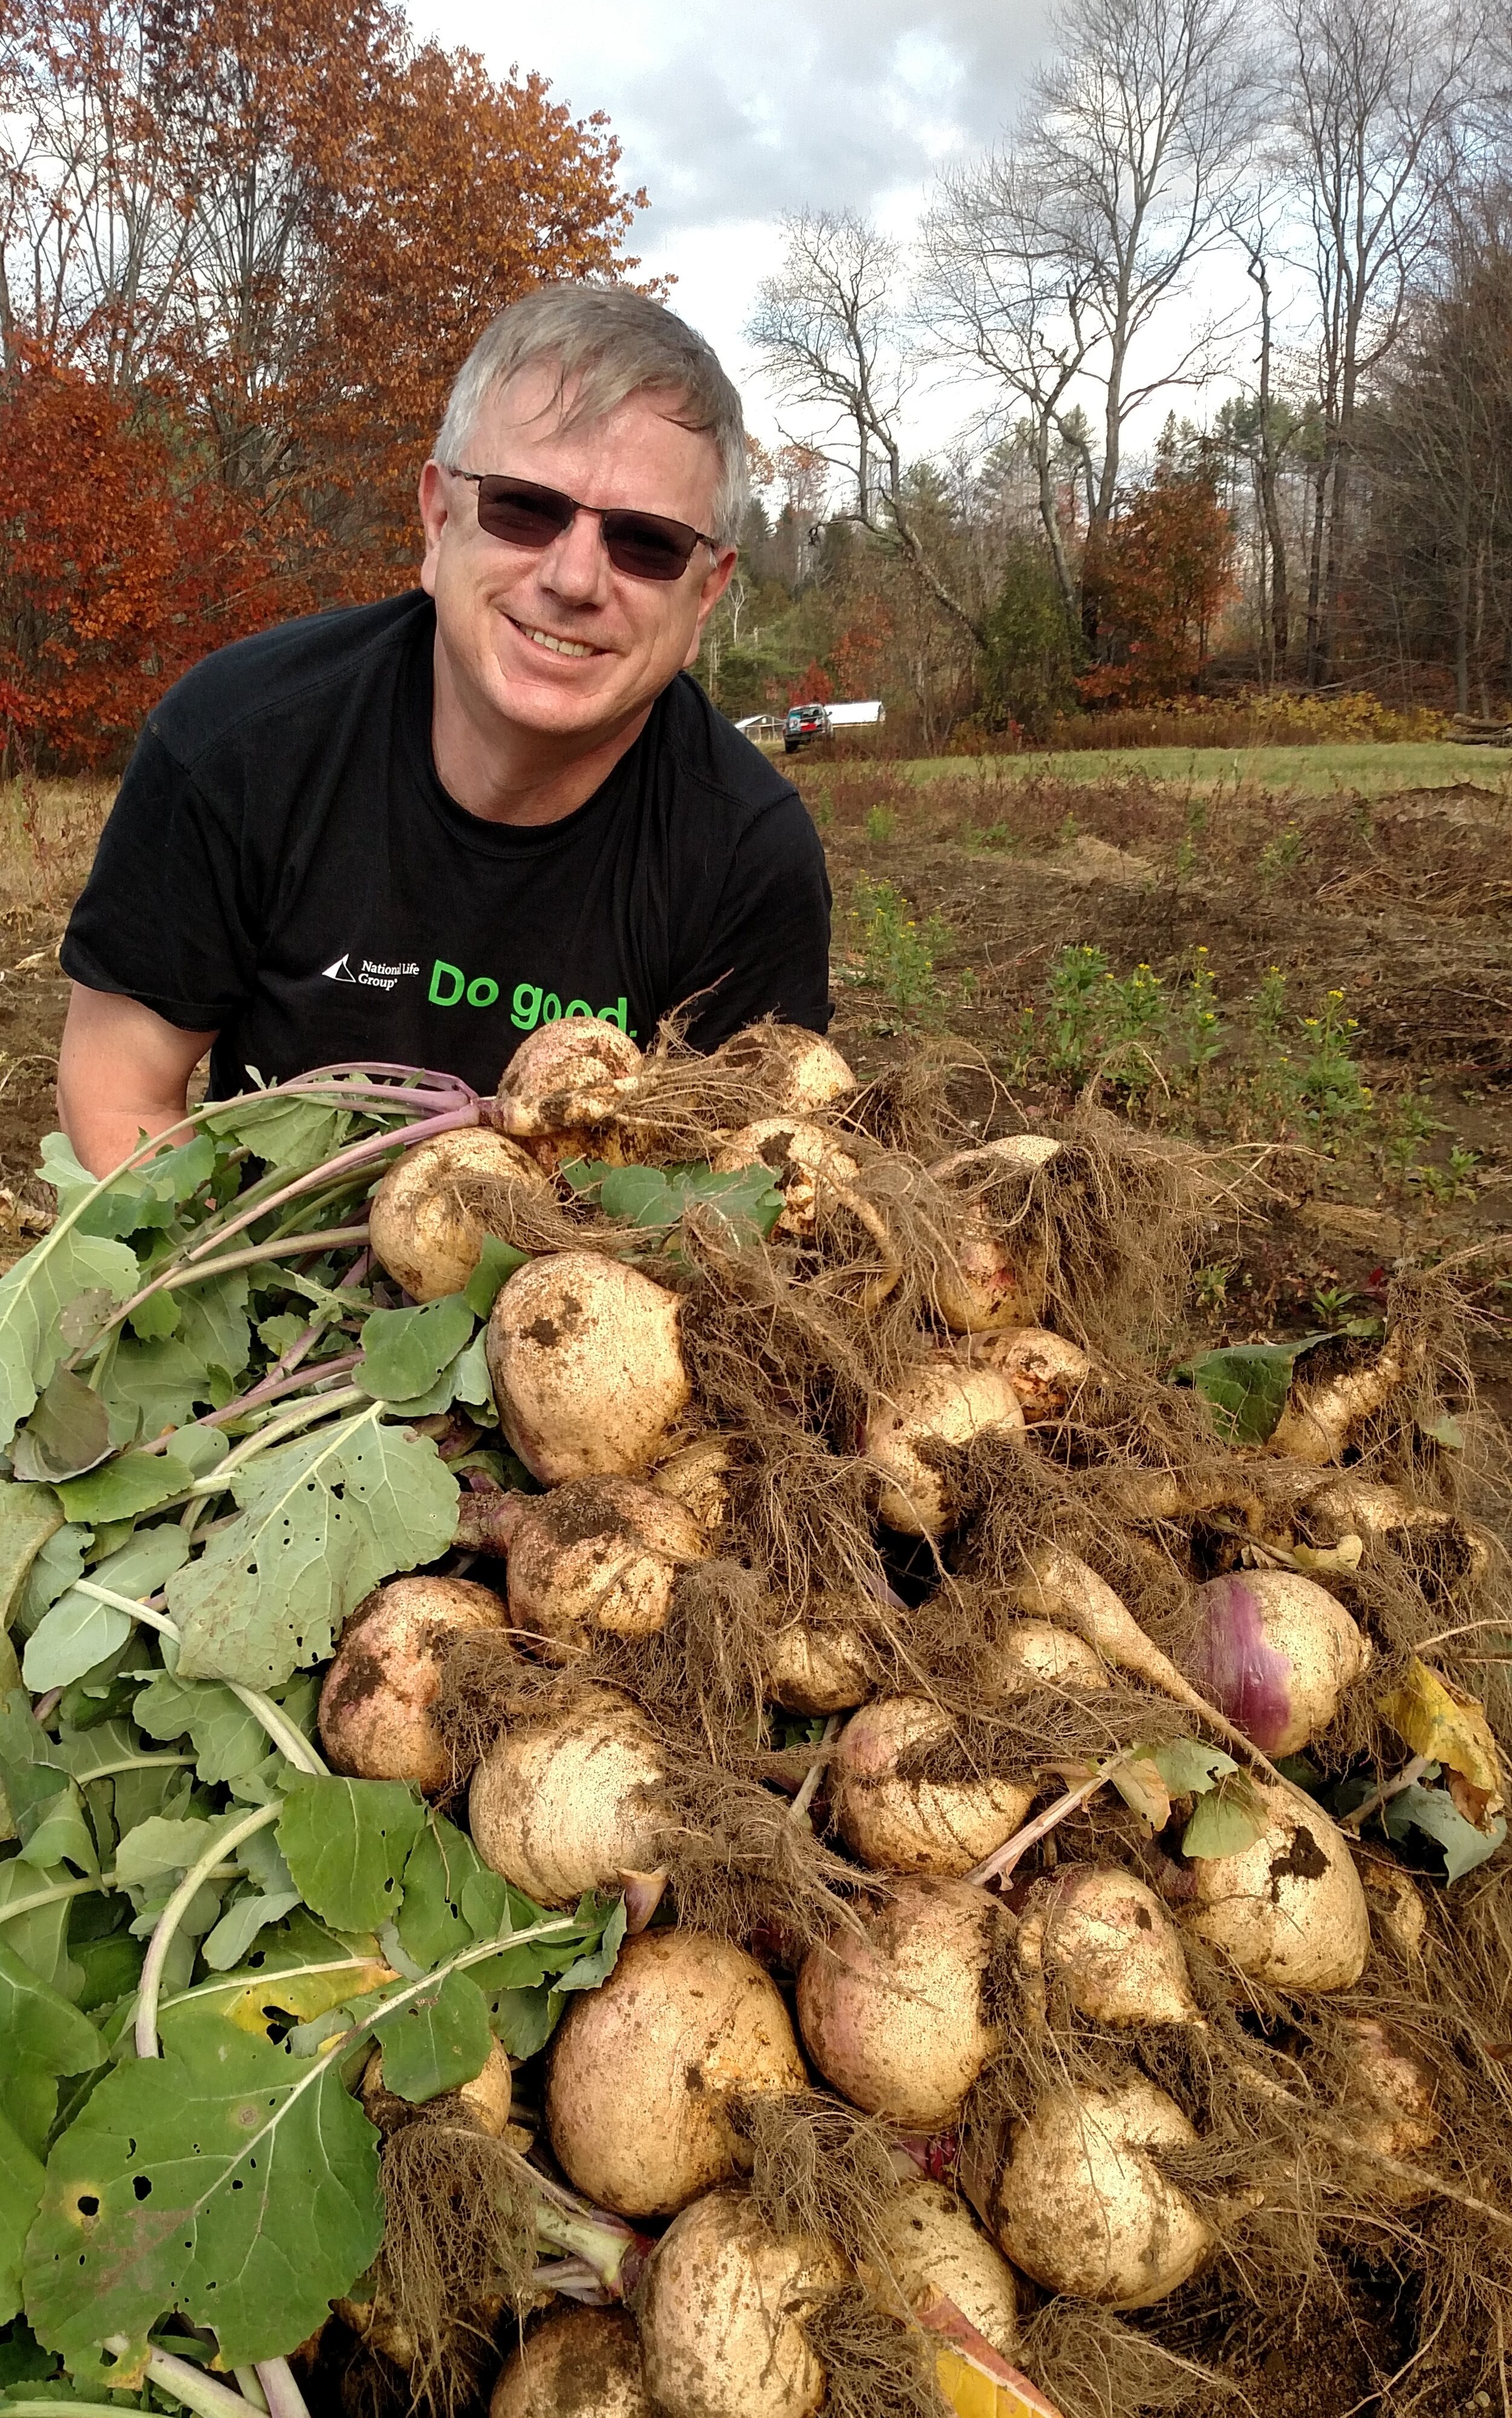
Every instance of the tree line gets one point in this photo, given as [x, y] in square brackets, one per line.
[244, 245]
[1287, 231]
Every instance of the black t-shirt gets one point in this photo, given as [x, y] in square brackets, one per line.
[282, 866]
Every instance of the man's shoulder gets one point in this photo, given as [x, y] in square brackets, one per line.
[711, 754]
[281, 672]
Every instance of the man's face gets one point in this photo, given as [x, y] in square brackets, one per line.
[496, 603]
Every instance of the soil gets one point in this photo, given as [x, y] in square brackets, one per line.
[1403, 904]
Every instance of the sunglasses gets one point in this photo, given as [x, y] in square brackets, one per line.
[643, 544]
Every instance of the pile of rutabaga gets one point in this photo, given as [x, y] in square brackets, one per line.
[650, 1763]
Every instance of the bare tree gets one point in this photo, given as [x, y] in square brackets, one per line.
[1252, 229]
[829, 331]
[1001, 290]
[1372, 91]
[1140, 130]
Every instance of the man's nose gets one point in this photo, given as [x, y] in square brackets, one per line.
[575, 567]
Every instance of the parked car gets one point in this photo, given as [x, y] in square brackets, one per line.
[806, 723]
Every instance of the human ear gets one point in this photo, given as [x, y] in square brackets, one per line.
[433, 514]
[716, 579]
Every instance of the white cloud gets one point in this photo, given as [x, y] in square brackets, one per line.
[732, 116]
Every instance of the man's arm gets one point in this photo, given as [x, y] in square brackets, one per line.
[122, 1071]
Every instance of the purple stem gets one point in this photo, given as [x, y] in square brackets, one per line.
[279, 2390]
[265, 1391]
[575, 2280]
[429, 1075]
[346, 1162]
[45, 1707]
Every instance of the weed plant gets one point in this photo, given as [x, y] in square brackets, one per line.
[1177, 1051]
[893, 952]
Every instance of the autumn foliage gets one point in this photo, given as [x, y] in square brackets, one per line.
[1153, 583]
[245, 246]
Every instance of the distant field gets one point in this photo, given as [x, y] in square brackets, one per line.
[1374, 769]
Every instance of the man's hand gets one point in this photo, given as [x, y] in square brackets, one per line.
[122, 1072]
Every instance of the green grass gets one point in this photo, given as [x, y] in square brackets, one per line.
[1372, 768]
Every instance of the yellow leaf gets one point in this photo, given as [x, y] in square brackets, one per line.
[1142, 1789]
[971, 2391]
[267, 2006]
[1338, 1560]
[1447, 1727]
[975, 2380]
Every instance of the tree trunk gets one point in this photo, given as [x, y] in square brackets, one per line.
[1050, 516]
[1315, 573]
[1461, 621]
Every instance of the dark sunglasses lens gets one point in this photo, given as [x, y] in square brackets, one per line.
[522, 515]
[647, 547]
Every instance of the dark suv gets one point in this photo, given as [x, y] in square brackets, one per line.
[803, 723]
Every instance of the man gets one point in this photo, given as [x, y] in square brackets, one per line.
[411, 832]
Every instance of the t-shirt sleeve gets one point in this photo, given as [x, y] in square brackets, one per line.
[768, 953]
[162, 918]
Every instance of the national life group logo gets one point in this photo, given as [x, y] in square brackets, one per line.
[368, 971]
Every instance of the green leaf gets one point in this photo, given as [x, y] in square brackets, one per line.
[586, 1972]
[40, 1939]
[524, 2020]
[22, 2175]
[227, 1739]
[497, 1261]
[290, 1137]
[42, 2037]
[1228, 1819]
[79, 1633]
[164, 1847]
[200, 1450]
[1190, 1768]
[431, 1923]
[404, 1351]
[146, 1199]
[1433, 1811]
[346, 1843]
[214, 1326]
[156, 1317]
[33, 1296]
[472, 1383]
[29, 1515]
[164, 1384]
[323, 1522]
[233, 1936]
[54, 1831]
[226, 2179]
[440, 2042]
[658, 1197]
[68, 1431]
[72, 1639]
[126, 1487]
[58, 1563]
[1246, 1385]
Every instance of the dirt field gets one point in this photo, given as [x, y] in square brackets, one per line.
[1174, 945]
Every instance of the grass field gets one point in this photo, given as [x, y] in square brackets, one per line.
[1369, 769]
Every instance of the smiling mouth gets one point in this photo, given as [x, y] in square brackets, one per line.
[553, 645]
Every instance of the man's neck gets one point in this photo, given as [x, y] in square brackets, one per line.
[504, 775]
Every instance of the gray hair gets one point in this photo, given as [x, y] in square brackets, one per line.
[605, 344]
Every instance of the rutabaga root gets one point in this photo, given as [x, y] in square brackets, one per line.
[818, 2166]
[458, 2249]
[1091, 2365]
[877, 2364]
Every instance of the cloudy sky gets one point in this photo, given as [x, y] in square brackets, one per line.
[732, 112]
